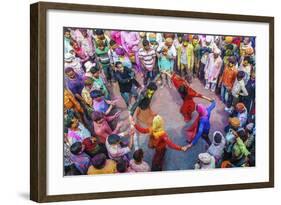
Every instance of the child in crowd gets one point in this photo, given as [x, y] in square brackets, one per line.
[137, 163]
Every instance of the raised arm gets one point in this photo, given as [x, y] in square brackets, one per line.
[211, 107]
[141, 129]
[198, 135]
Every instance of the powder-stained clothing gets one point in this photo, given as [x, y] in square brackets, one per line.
[229, 76]
[204, 123]
[81, 162]
[141, 167]
[78, 135]
[213, 68]
[188, 105]
[109, 168]
[75, 85]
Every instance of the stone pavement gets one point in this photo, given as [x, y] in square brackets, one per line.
[166, 102]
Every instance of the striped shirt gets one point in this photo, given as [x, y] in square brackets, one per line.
[147, 58]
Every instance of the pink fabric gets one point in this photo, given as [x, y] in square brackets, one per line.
[116, 36]
[201, 109]
[102, 131]
[213, 68]
[130, 42]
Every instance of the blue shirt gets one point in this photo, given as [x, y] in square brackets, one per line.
[204, 123]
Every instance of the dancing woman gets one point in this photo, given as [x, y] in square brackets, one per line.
[159, 140]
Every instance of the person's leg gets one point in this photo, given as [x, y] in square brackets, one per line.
[136, 141]
[186, 73]
[207, 86]
[213, 87]
[235, 101]
[125, 96]
[158, 159]
[222, 93]
[169, 80]
[145, 76]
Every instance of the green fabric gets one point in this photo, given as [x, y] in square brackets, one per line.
[240, 148]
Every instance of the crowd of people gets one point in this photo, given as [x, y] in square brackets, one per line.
[140, 64]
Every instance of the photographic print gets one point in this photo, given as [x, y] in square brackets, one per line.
[146, 101]
[136, 102]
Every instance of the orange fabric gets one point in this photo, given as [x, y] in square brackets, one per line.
[229, 76]
[71, 102]
[159, 142]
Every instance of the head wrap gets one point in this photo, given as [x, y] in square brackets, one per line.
[201, 109]
[217, 136]
[88, 65]
[226, 164]
[68, 57]
[205, 158]
[157, 124]
[249, 51]
[234, 122]
[209, 39]
[217, 51]
[120, 51]
[169, 40]
[228, 39]
[232, 59]
[240, 107]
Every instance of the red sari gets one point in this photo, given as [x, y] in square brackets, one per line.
[188, 106]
